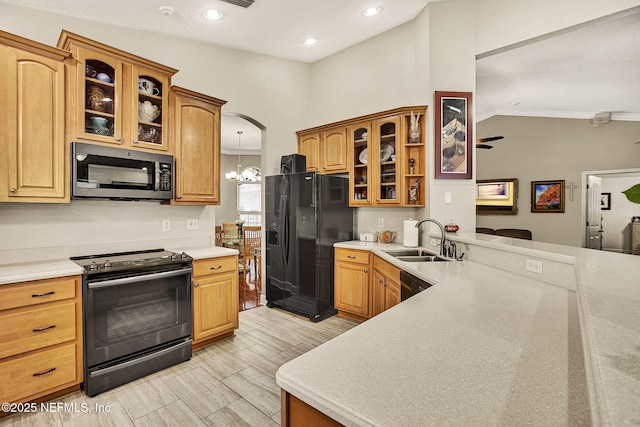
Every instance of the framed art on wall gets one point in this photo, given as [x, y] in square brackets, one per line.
[497, 196]
[454, 126]
[547, 196]
[605, 201]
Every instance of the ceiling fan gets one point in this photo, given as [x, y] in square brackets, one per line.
[480, 143]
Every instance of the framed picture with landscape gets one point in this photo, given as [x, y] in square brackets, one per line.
[453, 124]
[547, 196]
[497, 196]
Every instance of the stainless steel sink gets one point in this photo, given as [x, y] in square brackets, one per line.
[415, 255]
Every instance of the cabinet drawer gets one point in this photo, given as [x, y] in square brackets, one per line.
[37, 292]
[351, 255]
[206, 267]
[37, 327]
[389, 270]
[37, 372]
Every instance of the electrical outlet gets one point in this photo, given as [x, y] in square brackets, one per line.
[166, 225]
[380, 222]
[192, 224]
[534, 265]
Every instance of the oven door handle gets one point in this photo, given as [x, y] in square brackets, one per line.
[135, 279]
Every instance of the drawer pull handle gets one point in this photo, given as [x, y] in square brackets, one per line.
[42, 295]
[351, 257]
[43, 329]
[39, 374]
[217, 267]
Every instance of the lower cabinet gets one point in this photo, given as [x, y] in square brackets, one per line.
[364, 285]
[41, 338]
[385, 287]
[296, 413]
[215, 298]
[352, 284]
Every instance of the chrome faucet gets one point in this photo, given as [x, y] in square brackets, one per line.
[442, 240]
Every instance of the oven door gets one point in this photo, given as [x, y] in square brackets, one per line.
[129, 314]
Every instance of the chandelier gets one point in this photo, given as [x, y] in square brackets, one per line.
[235, 175]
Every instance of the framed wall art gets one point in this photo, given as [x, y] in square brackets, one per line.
[605, 201]
[547, 196]
[497, 196]
[454, 127]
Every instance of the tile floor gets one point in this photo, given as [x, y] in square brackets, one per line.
[229, 383]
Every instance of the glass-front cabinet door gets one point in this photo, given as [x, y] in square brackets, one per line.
[388, 185]
[100, 97]
[122, 99]
[151, 109]
[358, 142]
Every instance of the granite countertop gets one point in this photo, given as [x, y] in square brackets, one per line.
[486, 346]
[24, 272]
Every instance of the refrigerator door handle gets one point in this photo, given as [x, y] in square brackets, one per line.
[287, 230]
[281, 222]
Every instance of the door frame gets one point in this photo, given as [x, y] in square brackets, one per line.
[583, 193]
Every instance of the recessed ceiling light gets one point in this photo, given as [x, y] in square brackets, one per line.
[371, 11]
[212, 14]
[310, 41]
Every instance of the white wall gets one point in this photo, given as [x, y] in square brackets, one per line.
[542, 149]
[615, 222]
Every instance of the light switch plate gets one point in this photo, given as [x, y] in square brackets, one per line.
[447, 196]
[380, 222]
[166, 225]
[534, 265]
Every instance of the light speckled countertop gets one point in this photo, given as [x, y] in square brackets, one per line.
[486, 346]
[24, 272]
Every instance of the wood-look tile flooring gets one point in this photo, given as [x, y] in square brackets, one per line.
[229, 383]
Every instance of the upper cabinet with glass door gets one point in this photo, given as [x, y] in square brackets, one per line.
[120, 98]
[385, 153]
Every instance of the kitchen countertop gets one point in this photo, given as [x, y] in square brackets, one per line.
[24, 272]
[487, 346]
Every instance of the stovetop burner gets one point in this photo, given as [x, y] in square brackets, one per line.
[131, 261]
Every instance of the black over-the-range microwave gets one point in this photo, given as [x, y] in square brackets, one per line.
[119, 174]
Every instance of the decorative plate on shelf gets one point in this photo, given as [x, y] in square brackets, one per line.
[363, 157]
[385, 152]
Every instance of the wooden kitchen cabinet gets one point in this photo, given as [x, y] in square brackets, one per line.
[326, 150]
[352, 284]
[215, 299]
[117, 98]
[385, 287]
[385, 169]
[308, 146]
[41, 338]
[195, 124]
[34, 157]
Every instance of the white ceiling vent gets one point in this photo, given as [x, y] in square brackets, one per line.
[243, 3]
[600, 118]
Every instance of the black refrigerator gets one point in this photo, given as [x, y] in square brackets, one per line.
[305, 214]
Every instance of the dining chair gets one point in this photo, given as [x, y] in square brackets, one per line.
[219, 235]
[229, 230]
[251, 251]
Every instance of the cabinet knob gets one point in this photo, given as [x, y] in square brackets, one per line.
[135, 141]
[196, 284]
[366, 270]
[118, 139]
[179, 197]
[377, 199]
[13, 191]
